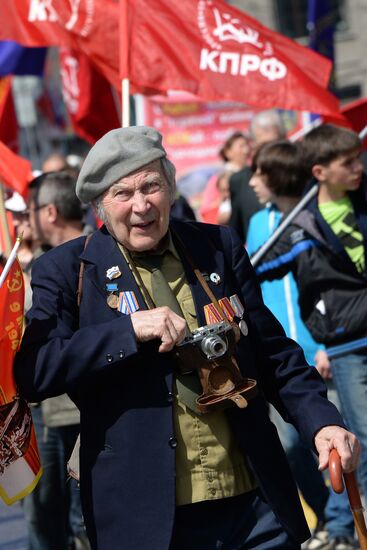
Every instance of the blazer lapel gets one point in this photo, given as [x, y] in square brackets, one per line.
[101, 254]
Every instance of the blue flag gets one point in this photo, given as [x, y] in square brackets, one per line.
[322, 16]
[21, 61]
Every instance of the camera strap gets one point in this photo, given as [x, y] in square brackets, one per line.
[220, 384]
[188, 385]
[199, 276]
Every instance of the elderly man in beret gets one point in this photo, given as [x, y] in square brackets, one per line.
[158, 332]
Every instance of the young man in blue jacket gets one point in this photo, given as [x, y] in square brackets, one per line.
[325, 248]
[280, 177]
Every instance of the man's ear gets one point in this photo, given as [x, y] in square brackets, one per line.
[51, 213]
[319, 172]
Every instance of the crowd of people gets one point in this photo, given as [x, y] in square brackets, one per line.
[158, 469]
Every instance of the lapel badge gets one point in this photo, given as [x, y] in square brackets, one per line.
[127, 302]
[113, 272]
[215, 278]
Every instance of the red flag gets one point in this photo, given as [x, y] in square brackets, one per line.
[5, 229]
[88, 96]
[8, 119]
[20, 467]
[356, 113]
[90, 26]
[32, 23]
[15, 171]
[93, 26]
[217, 52]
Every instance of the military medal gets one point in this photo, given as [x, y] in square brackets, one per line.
[228, 309]
[127, 302]
[237, 306]
[112, 298]
[212, 315]
[243, 327]
[113, 301]
[239, 311]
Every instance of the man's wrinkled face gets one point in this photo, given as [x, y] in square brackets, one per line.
[265, 134]
[137, 208]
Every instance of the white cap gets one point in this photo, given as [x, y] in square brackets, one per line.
[15, 203]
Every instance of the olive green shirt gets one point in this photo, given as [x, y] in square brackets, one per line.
[209, 464]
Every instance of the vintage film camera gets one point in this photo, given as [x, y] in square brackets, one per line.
[211, 350]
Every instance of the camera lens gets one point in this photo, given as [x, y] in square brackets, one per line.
[213, 346]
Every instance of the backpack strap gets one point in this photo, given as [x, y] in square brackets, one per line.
[79, 291]
[73, 462]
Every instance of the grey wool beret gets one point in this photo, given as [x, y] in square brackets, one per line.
[116, 155]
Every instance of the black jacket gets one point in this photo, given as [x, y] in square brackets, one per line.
[243, 201]
[332, 293]
[124, 391]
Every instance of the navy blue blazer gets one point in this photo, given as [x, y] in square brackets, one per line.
[124, 390]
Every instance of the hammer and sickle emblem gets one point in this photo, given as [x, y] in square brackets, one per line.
[16, 283]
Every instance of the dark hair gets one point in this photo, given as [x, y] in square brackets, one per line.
[326, 143]
[57, 188]
[281, 162]
[229, 142]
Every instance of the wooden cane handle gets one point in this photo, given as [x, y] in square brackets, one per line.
[336, 479]
[336, 474]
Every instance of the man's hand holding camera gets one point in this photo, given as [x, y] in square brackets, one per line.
[159, 323]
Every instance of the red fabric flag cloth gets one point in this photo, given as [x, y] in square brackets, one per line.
[356, 113]
[93, 26]
[20, 467]
[90, 26]
[217, 52]
[32, 23]
[15, 171]
[88, 96]
[8, 119]
[4, 231]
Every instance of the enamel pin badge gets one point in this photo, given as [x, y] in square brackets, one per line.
[113, 272]
[215, 278]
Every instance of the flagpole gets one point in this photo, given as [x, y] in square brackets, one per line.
[124, 64]
[363, 133]
[305, 129]
[125, 93]
[10, 260]
[4, 223]
[306, 199]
